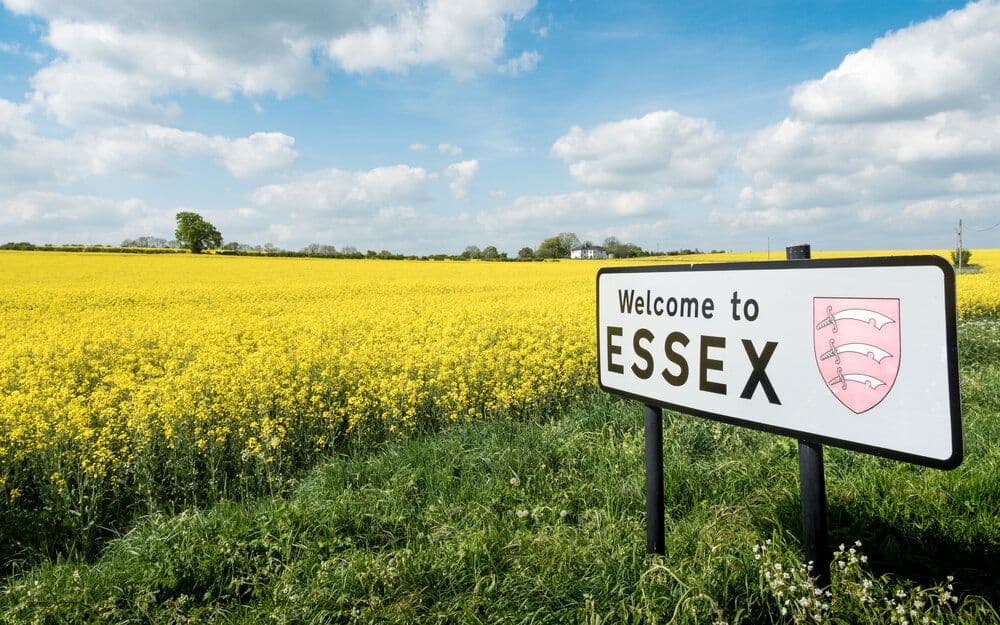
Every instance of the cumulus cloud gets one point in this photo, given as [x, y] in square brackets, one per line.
[108, 68]
[462, 175]
[418, 147]
[906, 131]
[337, 192]
[259, 153]
[940, 65]
[124, 59]
[464, 37]
[48, 217]
[662, 149]
[141, 149]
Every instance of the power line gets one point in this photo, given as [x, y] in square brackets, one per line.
[987, 229]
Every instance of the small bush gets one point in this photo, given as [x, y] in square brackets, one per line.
[966, 255]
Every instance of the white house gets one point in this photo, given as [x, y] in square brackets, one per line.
[588, 251]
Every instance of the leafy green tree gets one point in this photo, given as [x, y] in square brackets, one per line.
[490, 252]
[471, 252]
[195, 233]
[558, 246]
[568, 240]
[526, 252]
[549, 248]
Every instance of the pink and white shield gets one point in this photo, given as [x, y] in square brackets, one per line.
[857, 344]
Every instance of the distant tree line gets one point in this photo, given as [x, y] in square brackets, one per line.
[195, 234]
[150, 242]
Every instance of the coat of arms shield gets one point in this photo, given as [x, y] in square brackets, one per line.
[857, 345]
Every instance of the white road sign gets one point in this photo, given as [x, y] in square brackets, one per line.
[856, 353]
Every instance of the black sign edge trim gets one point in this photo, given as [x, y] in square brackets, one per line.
[951, 348]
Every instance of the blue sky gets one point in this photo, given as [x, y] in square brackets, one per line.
[427, 126]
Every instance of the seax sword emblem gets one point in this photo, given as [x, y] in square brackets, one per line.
[857, 345]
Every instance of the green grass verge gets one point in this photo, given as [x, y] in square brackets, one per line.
[543, 522]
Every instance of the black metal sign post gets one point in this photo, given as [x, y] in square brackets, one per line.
[812, 485]
[654, 479]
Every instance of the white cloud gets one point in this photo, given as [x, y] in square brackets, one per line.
[344, 193]
[123, 59]
[522, 64]
[570, 210]
[14, 120]
[768, 218]
[418, 147]
[904, 132]
[939, 65]
[259, 153]
[113, 70]
[662, 149]
[465, 37]
[930, 210]
[449, 149]
[138, 149]
[47, 217]
[462, 175]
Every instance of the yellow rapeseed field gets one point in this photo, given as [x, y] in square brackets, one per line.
[140, 378]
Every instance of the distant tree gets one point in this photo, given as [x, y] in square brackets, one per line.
[526, 252]
[232, 245]
[490, 253]
[611, 242]
[349, 250]
[195, 233]
[20, 245]
[270, 248]
[145, 242]
[558, 246]
[568, 240]
[549, 248]
[317, 249]
[471, 252]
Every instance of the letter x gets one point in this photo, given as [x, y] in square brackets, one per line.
[758, 376]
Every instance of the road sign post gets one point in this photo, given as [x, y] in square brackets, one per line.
[812, 485]
[653, 434]
[804, 348]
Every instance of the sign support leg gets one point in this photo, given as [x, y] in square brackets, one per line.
[812, 484]
[812, 489]
[654, 479]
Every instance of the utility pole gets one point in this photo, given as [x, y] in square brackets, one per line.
[958, 255]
